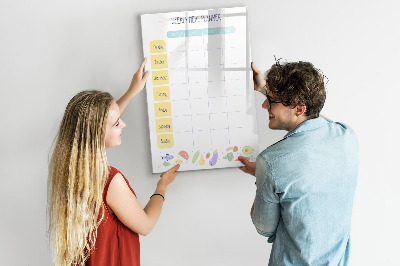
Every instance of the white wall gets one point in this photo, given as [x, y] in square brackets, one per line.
[49, 50]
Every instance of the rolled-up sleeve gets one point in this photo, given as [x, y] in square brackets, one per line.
[266, 211]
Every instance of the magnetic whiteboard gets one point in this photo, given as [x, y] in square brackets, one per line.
[199, 94]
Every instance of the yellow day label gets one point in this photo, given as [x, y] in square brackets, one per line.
[164, 125]
[159, 61]
[161, 93]
[158, 46]
[162, 109]
[165, 141]
[160, 77]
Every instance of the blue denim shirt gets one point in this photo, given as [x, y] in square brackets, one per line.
[305, 189]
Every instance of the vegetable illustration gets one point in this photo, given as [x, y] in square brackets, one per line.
[201, 161]
[184, 155]
[208, 155]
[195, 156]
[214, 159]
[229, 156]
[235, 149]
[178, 161]
[247, 150]
[166, 164]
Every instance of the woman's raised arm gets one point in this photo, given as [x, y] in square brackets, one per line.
[137, 85]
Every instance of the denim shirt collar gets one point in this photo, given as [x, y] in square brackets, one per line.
[307, 125]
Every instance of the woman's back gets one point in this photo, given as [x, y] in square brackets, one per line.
[116, 244]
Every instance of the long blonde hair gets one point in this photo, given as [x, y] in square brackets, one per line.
[78, 171]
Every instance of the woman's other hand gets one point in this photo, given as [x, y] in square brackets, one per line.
[168, 176]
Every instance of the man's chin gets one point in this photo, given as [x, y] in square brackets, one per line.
[271, 125]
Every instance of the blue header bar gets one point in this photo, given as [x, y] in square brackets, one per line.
[200, 32]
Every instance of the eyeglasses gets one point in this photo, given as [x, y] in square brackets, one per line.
[264, 91]
[270, 101]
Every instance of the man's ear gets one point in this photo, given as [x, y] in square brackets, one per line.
[300, 110]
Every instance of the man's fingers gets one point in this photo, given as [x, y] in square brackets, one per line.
[255, 69]
[243, 160]
[244, 169]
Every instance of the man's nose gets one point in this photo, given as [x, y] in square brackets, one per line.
[265, 104]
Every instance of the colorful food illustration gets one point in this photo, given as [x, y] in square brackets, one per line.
[214, 158]
[201, 161]
[229, 156]
[167, 157]
[184, 155]
[208, 155]
[195, 156]
[166, 164]
[247, 150]
[178, 161]
[235, 149]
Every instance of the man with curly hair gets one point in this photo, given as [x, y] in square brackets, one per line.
[306, 181]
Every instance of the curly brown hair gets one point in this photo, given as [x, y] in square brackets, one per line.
[298, 83]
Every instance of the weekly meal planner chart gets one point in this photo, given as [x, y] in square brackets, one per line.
[199, 93]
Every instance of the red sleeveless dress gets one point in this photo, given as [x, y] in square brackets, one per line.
[116, 244]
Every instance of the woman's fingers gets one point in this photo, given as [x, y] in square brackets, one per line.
[146, 75]
[142, 65]
[172, 171]
[175, 168]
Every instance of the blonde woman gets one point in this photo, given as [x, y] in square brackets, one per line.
[95, 217]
